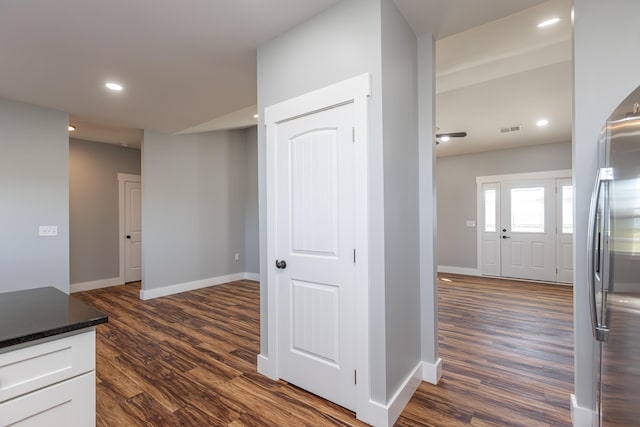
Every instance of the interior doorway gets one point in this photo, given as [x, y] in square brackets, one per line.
[317, 232]
[130, 227]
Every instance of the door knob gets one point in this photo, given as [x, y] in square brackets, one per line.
[506, 237]
[281, 264]
[128, 236]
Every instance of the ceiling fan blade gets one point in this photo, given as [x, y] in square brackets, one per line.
[452, 134]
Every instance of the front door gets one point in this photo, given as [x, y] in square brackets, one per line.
[133, 231]
[528, 229]
[315, 248]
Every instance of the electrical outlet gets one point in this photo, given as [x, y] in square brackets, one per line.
[48, 230]
[236, 257]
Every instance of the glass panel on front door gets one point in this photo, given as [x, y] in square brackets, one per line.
[527, 210]
[490, 211]
[567, 209]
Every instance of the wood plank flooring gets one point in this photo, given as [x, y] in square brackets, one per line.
[507, 351]
[190, 360]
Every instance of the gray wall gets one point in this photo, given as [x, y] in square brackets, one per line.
[34, 191]
[401, 222]
[342, 42]
[428, 201]
[251, 238]
[193, 206]
[93, 207]
[606, 64]
[456, 180]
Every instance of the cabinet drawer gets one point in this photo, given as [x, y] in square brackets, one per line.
[70, 403]
[40, 365]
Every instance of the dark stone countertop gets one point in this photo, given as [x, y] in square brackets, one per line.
[39, 313]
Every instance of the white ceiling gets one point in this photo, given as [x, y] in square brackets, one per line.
[505, 73]
[190, 65]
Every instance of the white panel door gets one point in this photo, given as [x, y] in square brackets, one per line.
[528, 238]
[133, 231]
[315, 238]
[564, 225]
[490, 229]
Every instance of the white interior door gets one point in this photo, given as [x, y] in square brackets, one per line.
[490, 233]
[564, 191]
[315, 239]
[528, 241]
[133, 231]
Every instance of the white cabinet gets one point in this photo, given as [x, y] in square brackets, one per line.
[49, 383]
[70, 403]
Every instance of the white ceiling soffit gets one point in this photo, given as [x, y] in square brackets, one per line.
[444, 18]
[510, 45]
[243, 118]
[89, 131]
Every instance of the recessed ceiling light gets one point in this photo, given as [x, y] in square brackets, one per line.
[445, 138]
[548, 22]
[255, 116]
[542, 122]
[113, 86]
[71, 128]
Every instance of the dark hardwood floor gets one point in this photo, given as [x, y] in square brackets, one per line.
[507, 351]
[190, 360]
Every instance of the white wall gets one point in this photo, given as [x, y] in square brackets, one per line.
[606, 70]
[34, 191]
[456, 180]
[193, 207]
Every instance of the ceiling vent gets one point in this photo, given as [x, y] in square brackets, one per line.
[508, 129]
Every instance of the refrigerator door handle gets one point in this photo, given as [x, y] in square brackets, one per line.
[594, 264]
[602, 330]
[591, 252]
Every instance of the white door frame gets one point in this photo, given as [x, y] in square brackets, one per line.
[557, 174]
[355, 90]
[122, 178]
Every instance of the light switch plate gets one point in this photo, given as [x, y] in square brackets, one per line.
[48, 230]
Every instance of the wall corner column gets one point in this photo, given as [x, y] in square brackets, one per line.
[427, 208]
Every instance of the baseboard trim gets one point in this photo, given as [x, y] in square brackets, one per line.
[380, 415]
[432, 372]
[252, 276]
[458, 270]
[582, 417]
[95, 284]
[146, 294]
[404, 394]
[266, 368]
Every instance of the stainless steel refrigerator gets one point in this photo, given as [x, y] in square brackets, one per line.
[614, 266]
